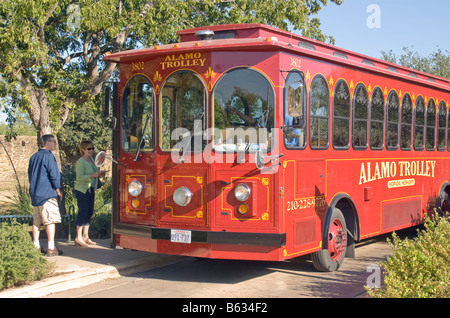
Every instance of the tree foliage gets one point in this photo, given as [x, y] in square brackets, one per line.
[76, 130]
[51, 50]
[437, 63]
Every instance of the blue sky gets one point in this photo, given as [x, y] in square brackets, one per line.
[421, 25]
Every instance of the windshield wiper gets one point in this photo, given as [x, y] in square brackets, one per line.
[191, 134]
[142, 137]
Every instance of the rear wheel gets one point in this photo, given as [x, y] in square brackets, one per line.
[445, 206]
[331, 258]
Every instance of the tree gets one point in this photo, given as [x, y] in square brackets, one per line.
[75, 131]
[51, 50]
[437, 63]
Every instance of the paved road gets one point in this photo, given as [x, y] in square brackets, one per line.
[206, 278]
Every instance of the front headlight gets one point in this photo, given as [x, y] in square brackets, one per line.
[242, 192]
[182, 196]
[135, 188]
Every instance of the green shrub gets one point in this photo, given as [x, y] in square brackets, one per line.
[418, 267]
[101, 219]
[20, 261]
[19, 200]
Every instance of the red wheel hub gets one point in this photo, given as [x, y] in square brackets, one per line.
[336, 239]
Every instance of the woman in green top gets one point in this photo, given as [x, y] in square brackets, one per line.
[85, 185]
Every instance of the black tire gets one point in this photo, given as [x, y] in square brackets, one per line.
[444, 207]
[331, 258]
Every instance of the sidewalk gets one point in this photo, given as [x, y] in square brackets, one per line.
[81, 266]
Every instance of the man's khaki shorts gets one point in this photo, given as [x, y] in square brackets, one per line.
[46, 214]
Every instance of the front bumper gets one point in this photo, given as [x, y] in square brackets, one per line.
[208, 237]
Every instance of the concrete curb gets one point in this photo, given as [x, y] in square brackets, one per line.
[79, 267]
[76, 279]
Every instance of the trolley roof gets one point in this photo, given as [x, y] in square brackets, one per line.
[265, 38]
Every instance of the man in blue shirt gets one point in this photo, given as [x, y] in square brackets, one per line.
[45, 183]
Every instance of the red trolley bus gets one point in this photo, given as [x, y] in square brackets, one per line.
[248, 142]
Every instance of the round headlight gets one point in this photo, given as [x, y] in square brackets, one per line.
[182, 196]
[242, 192]
[135, 188]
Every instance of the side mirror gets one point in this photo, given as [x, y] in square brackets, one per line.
[100, 159]
[107, 102]
[259, 159]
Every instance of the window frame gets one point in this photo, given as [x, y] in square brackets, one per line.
[359, 87]
[379, 121]
[124, 105]
[286, 110]
[320, 118]
[392, 121]
[441, 128]
[431, 105]
[241, 130]
[407, 124]
[341, 117]
[176, 116]
[420, 147]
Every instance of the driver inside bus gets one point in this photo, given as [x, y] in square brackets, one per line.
[293, 120]
[293, 133]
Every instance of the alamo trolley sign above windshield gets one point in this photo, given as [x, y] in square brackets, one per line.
[247, 142]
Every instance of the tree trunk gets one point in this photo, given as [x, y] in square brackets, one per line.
[39, 111]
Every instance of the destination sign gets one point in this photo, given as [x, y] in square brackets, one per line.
[372, 171]
[183, 60]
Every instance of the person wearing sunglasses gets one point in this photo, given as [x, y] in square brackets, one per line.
[45, 182]
[87, 181]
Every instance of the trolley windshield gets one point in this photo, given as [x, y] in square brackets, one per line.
[243, 112]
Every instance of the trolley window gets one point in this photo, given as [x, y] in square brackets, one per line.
[341, 116]
[377, 119]
[419, 124]
[183, 104]
[243, 111]
[294, 111]
[360, 117]
[392, 121]
[430, 139]
[442, 123]
[448, 132]
[137, 115]
[319, 108]
[406, 123]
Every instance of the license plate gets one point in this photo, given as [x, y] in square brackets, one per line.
[180, 236]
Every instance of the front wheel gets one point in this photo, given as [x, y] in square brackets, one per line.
[331, 258]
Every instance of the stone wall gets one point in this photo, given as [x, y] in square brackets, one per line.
[20, 150]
